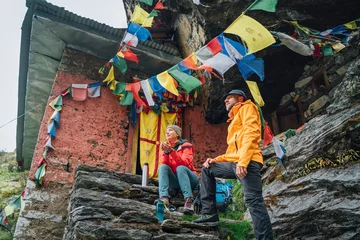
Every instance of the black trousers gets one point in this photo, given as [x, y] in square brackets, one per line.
[251, 187]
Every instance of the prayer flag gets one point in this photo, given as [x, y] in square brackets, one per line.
[142, 33]
[119, 63]
[9, 210]
[304, 29]
[294, 44]
[65, 92]
[120, 88]
[141, 16]
[268, 136]
[350, 25]
[156, 86]
[79, 92]
[167, 81]
[153, 13]
[112, 85]
[146, 89]
[184, 68]
[266, 5]
[48, 144]
[148, 2]
[248, 67]
[186, 81]
[255, 92]
[255, 35]
[131, 39]
[94, 90]
[127, 99]
[51, 129]
[56, 104]
[220, 62]
[56, 118]
[129, 55]
[135, 88]
[279, 148]
[159, 5]
[204, 54]
[40, 173]
[338, 46]
[214, 46]
[232, 51]
[327, 51]
[111, 74]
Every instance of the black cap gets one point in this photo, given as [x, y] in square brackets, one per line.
[234, 92]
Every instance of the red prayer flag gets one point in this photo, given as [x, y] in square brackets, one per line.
[214, 46]
[129, 55]
[268, 136]
[159, 6]
[135, 88]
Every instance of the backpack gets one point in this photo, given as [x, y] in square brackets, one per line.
[223, 197]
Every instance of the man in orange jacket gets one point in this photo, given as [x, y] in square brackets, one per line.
[242, 160]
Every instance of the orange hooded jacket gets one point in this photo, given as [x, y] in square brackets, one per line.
[244, 135]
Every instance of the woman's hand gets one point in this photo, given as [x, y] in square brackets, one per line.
[166, 147]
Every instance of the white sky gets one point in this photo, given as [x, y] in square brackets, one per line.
[110, 12]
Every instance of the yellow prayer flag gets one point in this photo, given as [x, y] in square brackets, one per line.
[167, 81]
[110, 76]
[113, 85]
[120, 54]
[304, 29]
[338, 46]
[255, 92]
[140, 16]
[255, 35]
[350, 25]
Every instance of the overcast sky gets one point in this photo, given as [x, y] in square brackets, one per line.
[110, 12]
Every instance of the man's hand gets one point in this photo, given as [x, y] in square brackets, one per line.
[208, 162]
[241, 172]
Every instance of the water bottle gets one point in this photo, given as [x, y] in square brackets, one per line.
[145, 175]
[160, 210]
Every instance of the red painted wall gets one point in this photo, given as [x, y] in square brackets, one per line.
[92, 132]
[209, 140]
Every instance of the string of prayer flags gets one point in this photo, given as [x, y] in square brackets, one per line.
[148, 2]
[255, 92]
[130, 39]
[255, 35]
[265, 5]
[79, 91]
[167, 82]
[159, 5]
[294, 44]
[156, 86]
[40, 173]
[56, 104]
[55, 117]
[141, 16]
[146, 89]
[94, 90]
[186, 81]
[248, 67]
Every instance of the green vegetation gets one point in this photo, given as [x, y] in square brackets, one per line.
[12, 183]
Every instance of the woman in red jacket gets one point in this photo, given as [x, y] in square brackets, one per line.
[177, 169]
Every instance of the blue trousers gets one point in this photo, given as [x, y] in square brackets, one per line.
[184, 179]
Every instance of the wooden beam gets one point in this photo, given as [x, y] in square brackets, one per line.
[132, 149]
[275, 123]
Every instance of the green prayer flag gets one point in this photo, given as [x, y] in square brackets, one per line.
[120, 88]
[127, 99]
[327, 51]
[266, 5]
[148, 2]
[40, 173]
[120, 64]
[186, 81]
[56, 104]
[153, 13]
[17, 202]
[44, 154]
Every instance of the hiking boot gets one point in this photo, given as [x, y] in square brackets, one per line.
[208, 219]
[189, 206]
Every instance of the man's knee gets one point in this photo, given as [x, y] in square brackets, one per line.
[181, 169]
[163, 168]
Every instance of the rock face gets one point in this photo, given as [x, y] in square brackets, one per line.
[108, 205]
[317, 196]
